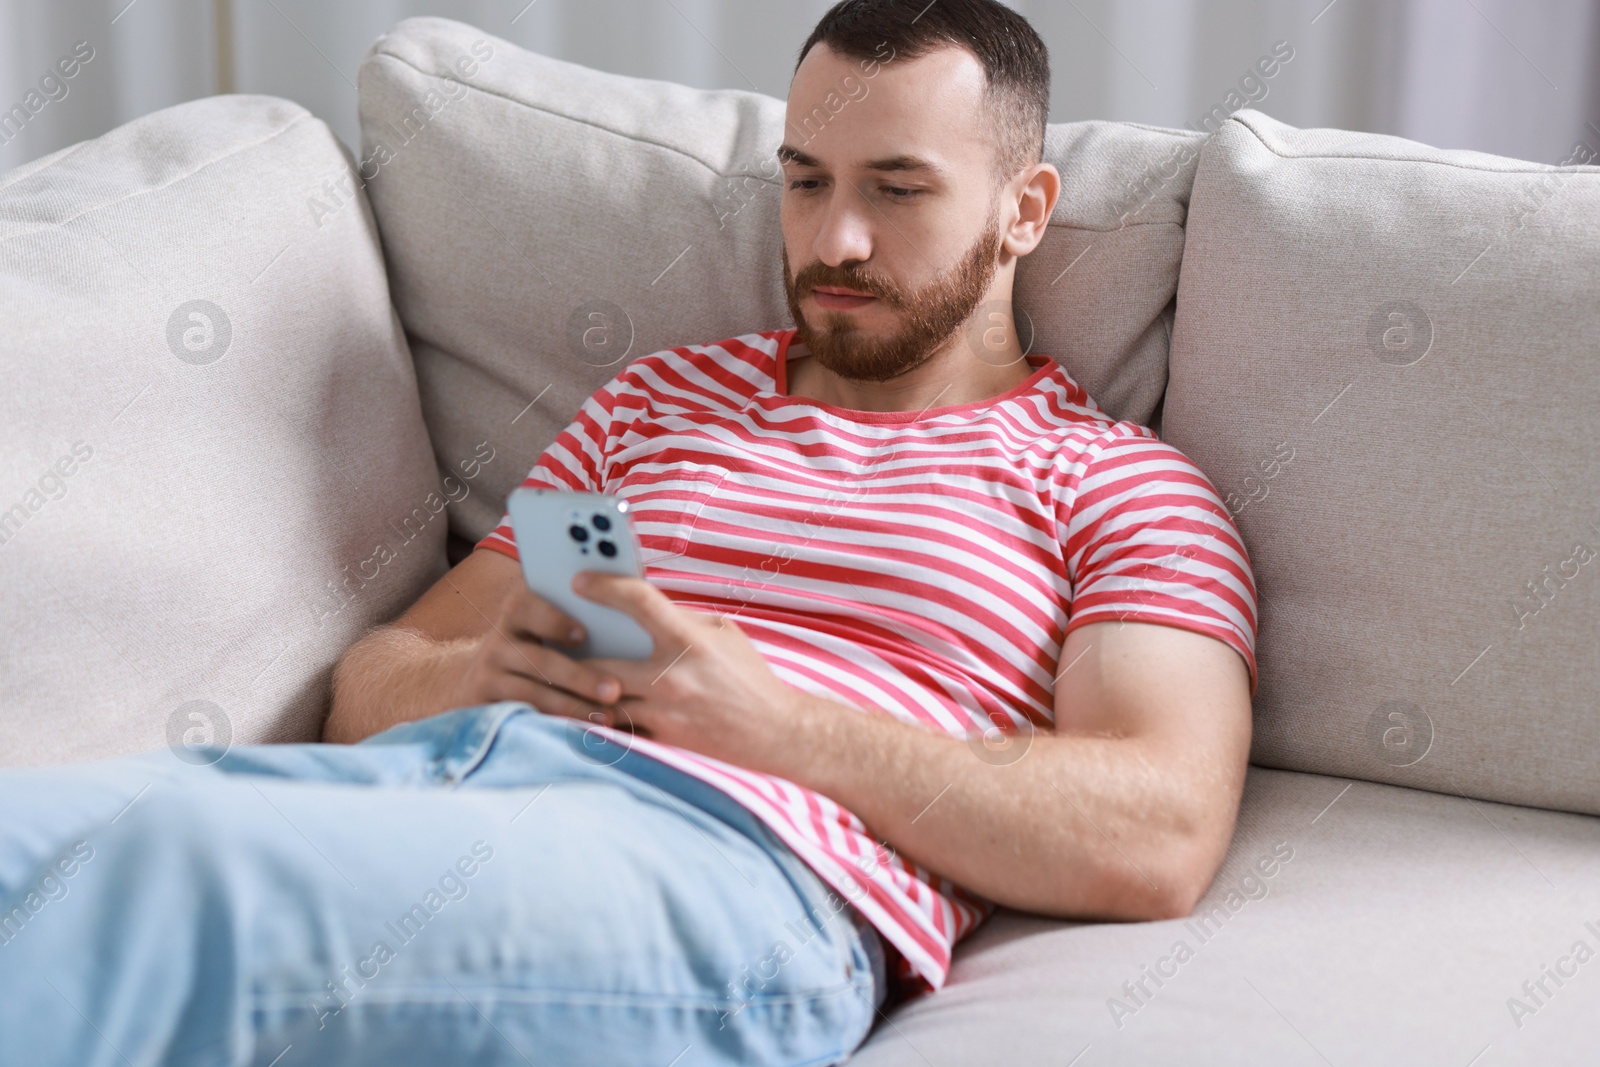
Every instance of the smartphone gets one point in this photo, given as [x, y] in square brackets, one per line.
[560, 533]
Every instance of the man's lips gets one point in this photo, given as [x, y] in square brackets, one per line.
[838, 298]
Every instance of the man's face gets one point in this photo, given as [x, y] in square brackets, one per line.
[891, 223]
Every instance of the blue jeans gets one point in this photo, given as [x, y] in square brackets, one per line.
[492, 885]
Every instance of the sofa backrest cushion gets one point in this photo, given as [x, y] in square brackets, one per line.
[214, 472]
[1386, 358]
[544, 223]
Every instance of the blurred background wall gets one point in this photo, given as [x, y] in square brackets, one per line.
[1514, 77]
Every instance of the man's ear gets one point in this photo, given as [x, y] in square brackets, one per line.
[1036, 190]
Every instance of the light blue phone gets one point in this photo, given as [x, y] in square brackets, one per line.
[561, 533]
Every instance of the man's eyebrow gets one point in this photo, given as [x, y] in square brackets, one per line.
[790, 154]
[904, 162]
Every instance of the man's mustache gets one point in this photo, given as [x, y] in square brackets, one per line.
[819, 273]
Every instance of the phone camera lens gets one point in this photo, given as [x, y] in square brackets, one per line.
[602, 523]
[608, 550]
[578, 533]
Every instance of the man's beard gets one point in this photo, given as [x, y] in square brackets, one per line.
[931, 315]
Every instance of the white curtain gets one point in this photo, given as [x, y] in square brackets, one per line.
[1514, 77]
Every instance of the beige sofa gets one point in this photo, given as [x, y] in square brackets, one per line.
[260, 394]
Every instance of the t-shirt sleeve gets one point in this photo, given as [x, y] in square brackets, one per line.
[577, 459]
[1150, 540]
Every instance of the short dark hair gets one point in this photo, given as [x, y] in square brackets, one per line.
[1016, 63]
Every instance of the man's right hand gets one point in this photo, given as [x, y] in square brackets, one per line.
[477, 636]
[514, 659]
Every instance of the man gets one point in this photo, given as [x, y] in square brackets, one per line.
[931, 633]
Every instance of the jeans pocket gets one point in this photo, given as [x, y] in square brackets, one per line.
[455, 742]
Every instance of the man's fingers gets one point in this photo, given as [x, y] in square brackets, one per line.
[550, 667]
[558, 702]
[526, 614]
[638, 598]
[554, 701]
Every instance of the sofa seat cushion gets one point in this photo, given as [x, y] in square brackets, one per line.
[214, 473]
[1351, 923]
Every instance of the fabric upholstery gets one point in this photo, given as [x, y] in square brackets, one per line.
[1384, 357]
[209, 429]
[1398, 931]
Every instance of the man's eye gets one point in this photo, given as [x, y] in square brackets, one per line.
[897, 193]
[804, 185]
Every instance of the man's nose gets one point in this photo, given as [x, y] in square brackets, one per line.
[846, 231]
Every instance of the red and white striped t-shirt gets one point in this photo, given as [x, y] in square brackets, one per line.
[925, 565]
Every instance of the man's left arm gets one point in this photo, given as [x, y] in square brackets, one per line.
[1123, 812]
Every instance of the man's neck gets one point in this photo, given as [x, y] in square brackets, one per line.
[950, 377]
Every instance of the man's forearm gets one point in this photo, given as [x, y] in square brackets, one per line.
[1077, 827]
[393, 675]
